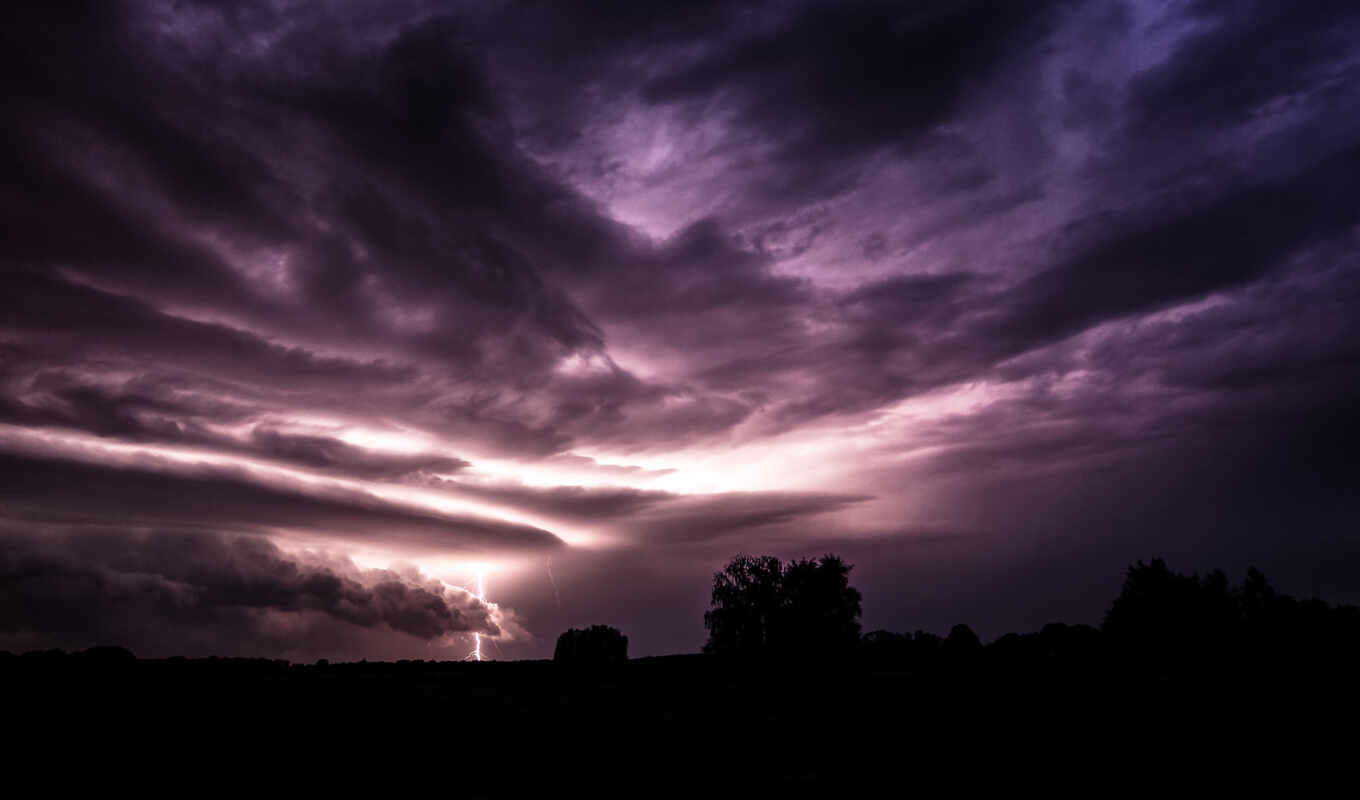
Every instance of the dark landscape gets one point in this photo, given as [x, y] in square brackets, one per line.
[1192, 688]
[507, 730]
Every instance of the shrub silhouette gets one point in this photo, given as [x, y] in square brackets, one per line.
[596, 646]
[762, 608]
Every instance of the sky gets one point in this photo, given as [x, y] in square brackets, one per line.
[313, 314]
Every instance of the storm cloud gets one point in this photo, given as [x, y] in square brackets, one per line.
[634, 287]
[160, 590]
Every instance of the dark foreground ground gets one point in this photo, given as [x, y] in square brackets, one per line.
[358, 733]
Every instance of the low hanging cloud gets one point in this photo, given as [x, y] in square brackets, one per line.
[707, 519]
[328, 453]
[149, 588]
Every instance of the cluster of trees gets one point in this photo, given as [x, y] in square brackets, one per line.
[1057, 650]
[762, 608]
[1162, 622]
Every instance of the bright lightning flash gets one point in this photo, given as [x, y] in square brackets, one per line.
[476, 654]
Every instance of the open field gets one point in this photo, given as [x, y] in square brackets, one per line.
[460, 733]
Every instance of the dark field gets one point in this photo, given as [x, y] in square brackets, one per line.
[471, 733]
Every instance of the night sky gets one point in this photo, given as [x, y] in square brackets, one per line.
[312, 313]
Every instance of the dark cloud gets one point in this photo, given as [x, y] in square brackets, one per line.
[915, 333]
[650, 516]
[570, 502]
[842, 77]
[85, 321]
[143, 408]
[147, 588]
[1298, 56]
[1290, 336]
[412, 109]
[219, 499]
[427, 243]
[161, 410]
[326, 453]
[1227, 242]
[702, 519]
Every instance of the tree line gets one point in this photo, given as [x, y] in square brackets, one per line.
[770, 617]
[1161, 623]
[766, 615]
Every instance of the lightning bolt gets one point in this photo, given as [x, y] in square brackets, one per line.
[480, 594]
[553, 581]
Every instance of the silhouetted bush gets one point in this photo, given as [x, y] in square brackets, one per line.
[593, 647]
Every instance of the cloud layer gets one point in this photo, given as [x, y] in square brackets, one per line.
[633, 288]
[164, 592]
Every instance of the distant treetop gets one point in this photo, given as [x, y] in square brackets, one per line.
[597, 645]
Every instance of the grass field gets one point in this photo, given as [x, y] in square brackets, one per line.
[376, 735]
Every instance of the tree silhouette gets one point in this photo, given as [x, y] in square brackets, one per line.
[1155, 620]
[820, 610]
[747, 594]
[1165, 621]
[761, 607]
